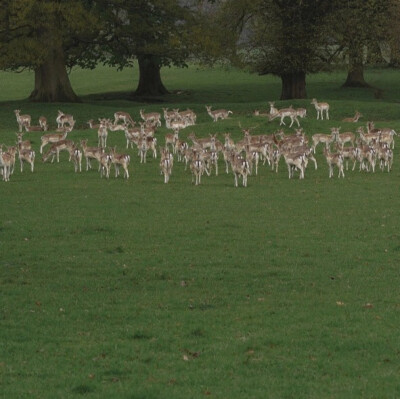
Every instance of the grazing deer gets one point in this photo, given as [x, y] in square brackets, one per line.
[22, 120]
[91, 153]
[120, 160]
[56, 148]
[334, 160]
[124, 117]
[354, 119]
[52, 138]
[320, 108]
[218, 114]
[62, 119]
[151, 117]
[26, 156]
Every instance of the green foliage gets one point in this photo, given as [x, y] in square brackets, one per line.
[30, 30]
[134, 28]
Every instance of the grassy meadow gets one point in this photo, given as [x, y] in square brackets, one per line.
[137, 289]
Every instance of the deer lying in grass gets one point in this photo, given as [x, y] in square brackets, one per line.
[354, 119]
[218, 113]
[320, 108]
[22, 120]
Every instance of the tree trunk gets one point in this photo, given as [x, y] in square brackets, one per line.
[150, 83]
[293, 85]
[355, 74]
[52, 82]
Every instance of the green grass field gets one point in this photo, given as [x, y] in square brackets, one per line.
[139, 290]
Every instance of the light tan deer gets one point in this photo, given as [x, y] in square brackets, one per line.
[56, 148]
[343, 138]
[23, 144]
[63, 119]
[151, 117]
[332, 160]
[240, 168]
[76, 158]
[26, 156]
[326, 139]
[22, 120]
[354, 119]
[124, 117]
[5, 164]
[218, 114]
[91, 153]
[43, 123]
[52, 138]
[120, 160]
[102, 132]
[286, 113]
[166, 163]
[320, 108]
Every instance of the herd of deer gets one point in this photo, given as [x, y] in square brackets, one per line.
[242, 157]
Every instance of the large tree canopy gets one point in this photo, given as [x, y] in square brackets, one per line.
[47, 36]
[284, 38]
[157, 33]
[359, 28]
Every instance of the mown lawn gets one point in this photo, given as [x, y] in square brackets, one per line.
[137, 289]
